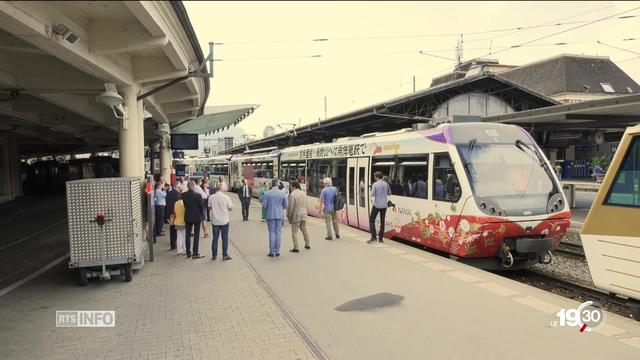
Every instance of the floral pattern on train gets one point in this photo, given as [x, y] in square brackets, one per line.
[473, 236]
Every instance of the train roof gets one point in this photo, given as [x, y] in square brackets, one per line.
[435, 133]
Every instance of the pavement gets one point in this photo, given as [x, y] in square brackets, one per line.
[343, 299]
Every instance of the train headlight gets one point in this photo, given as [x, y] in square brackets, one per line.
[555, 203]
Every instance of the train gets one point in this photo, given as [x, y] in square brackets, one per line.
[489, 195]
[46, 176]
[610, 235]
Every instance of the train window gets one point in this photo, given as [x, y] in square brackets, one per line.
[624, 190]
[268, 170]
[352, 188]
[446, 186]
[410, 177]
[339, 173]
[317, 170]
[361, 185]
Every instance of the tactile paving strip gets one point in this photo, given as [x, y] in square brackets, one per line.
[436, 266]
[608, 330]
[497, 289]
[633, 341]
[461, 275]
[538, 304]
[414, 258]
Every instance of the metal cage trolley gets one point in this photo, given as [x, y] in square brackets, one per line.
[105, 227]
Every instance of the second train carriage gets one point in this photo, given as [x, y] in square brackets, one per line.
[213, 167]
[257, 169]
[484, 193]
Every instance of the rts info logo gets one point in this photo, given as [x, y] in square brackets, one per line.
[83, 318]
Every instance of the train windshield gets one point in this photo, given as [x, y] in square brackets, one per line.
[507, 173]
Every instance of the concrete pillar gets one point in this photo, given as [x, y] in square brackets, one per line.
[165, 159]
[140, 108]
[155, 162]
[10, 171]
[131, 148]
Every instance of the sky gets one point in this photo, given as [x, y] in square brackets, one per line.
[372, 52]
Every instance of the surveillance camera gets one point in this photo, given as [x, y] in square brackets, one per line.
[66, 34]
[71, 37]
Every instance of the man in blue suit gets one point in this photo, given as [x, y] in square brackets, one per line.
[275, 203]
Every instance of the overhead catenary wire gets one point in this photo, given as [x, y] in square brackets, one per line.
[516, 29]
[619, 48]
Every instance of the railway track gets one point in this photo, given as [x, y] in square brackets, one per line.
[576, 292]
[570, 249]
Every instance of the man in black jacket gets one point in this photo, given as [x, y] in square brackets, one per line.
[244, 193]
[172, 197]
[193, 206]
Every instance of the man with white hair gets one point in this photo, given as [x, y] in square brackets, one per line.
[219, 207]
[327, 205]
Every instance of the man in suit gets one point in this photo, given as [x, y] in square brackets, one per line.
[275, 202]
[297, 215]
[244, 193]
[193, 206]
[172, 197]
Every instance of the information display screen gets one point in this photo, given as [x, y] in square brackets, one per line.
[184, 141]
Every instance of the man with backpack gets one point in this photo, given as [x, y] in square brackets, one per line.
[380, 192]
[327, 204]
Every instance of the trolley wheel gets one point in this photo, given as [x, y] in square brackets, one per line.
[83, 278]
[128, 272]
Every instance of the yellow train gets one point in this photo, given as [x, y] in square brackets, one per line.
[611, 232]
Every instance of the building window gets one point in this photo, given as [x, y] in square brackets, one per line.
[627, 180]
[607, 87]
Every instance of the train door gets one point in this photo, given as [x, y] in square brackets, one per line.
[358, 192]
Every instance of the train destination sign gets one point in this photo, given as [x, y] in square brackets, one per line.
[334, 151]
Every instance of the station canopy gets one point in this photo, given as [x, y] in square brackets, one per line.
[615, 113]
[215, 118]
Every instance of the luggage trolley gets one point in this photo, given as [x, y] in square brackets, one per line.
[105, 227]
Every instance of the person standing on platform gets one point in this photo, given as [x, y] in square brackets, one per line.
[380, 192]
[327, 203]
[161, 202]
[220, 205]
[204, 192]
[177, 222]
[223, 184]
[264, 189]
[172, 197]
[275, 202]
[244, 193]
[297, 215]
[194, 207]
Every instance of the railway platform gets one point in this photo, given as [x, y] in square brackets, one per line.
[342, 299]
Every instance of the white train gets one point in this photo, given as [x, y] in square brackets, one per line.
[484, 193]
